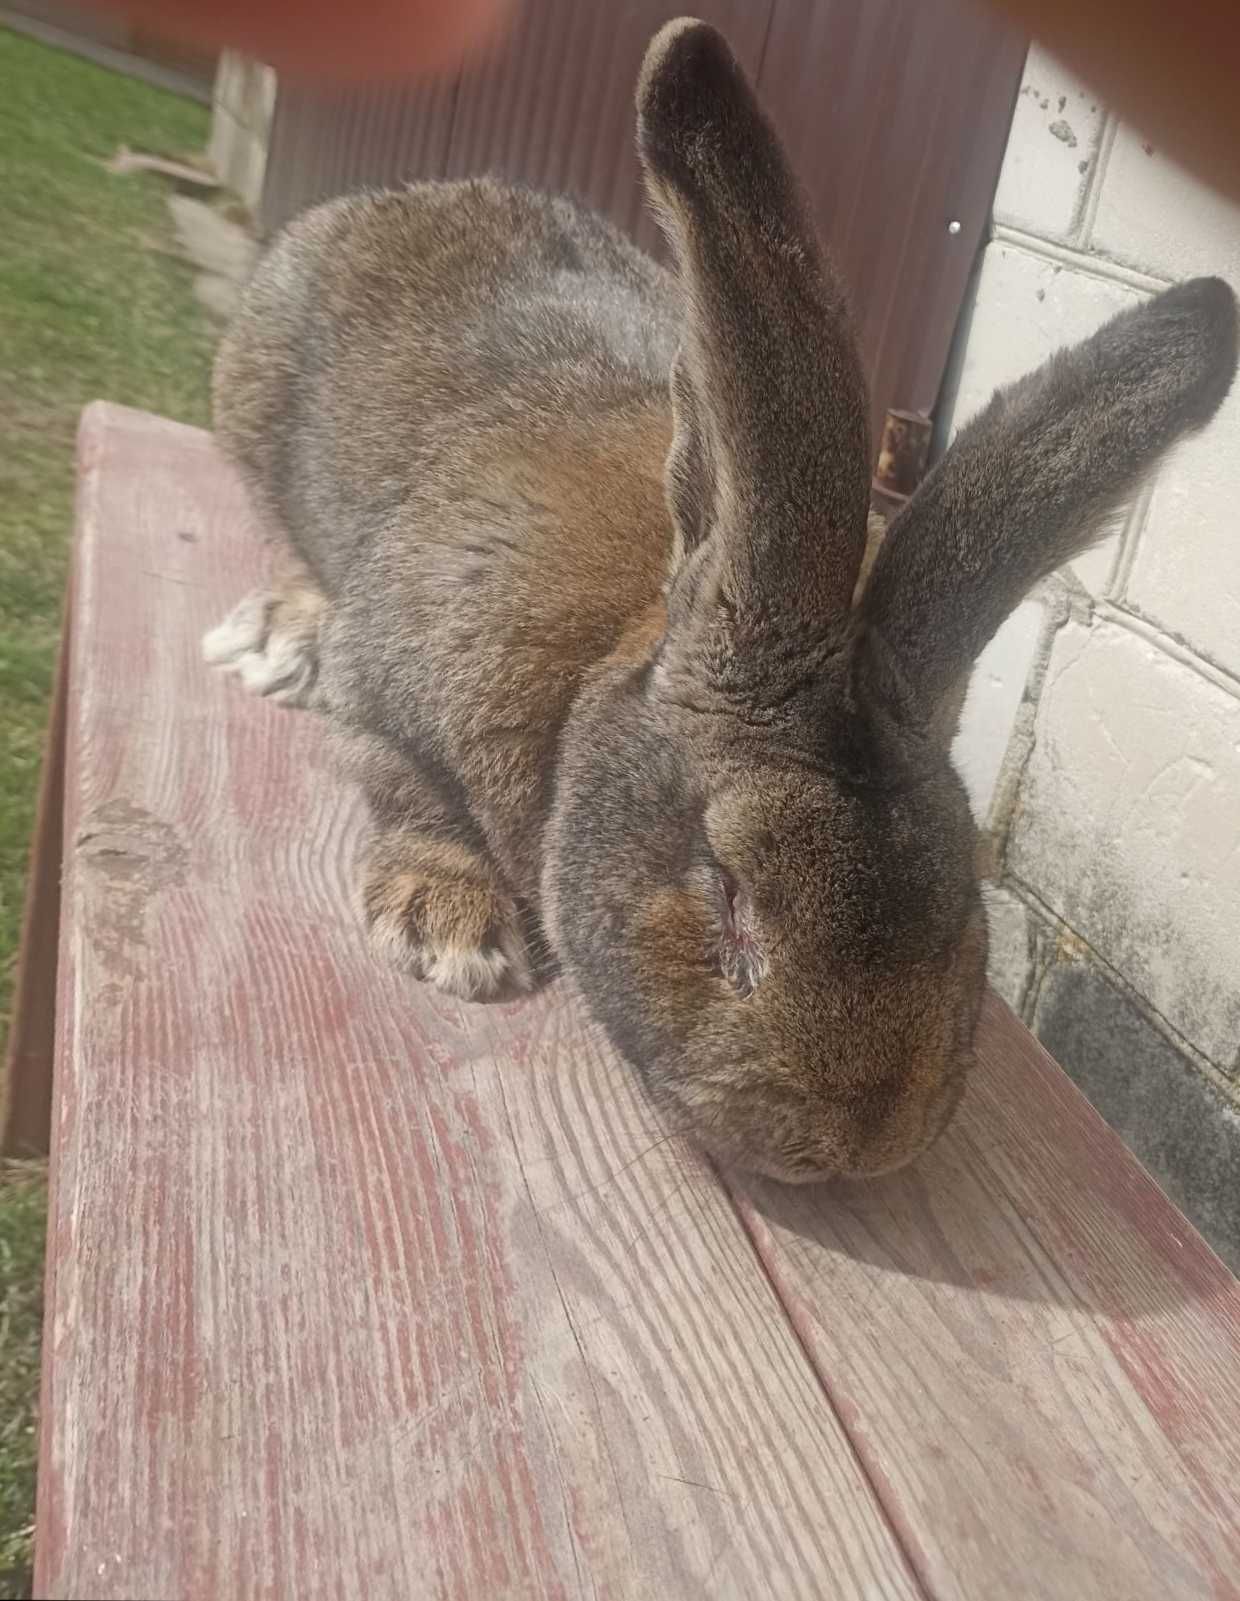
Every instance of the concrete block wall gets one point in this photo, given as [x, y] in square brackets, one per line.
[1101, 738]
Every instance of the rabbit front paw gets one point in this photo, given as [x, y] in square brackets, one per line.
[458, 934]
[271, 641]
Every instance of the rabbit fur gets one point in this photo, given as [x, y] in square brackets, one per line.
[567, 552]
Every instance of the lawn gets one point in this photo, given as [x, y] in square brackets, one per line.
[92, 303]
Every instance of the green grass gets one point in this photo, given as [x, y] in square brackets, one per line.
[91, 305]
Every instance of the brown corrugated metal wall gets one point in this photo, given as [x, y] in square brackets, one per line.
[895, 112]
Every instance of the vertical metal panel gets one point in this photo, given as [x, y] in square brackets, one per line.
[895, 113]
[326, 144]
[556, 109]
[552, 108]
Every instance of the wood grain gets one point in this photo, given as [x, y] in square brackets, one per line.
[26, 1119]
[1036, 1356]
[351, 1286]
[353, 1290]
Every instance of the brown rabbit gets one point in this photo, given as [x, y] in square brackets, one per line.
[594, 644]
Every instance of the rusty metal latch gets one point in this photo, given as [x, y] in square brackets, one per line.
[902, 454]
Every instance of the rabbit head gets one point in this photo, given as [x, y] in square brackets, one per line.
[761, 861]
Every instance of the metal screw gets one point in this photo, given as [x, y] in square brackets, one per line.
[953, 226]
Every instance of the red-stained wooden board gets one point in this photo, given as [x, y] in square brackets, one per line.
[27, 1088]
[1036, 1356]
[354, 1290]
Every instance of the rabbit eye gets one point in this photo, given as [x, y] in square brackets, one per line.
[741, 959]
[728, 891]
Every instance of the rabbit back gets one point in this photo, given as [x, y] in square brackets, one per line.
[388, 337]
[452, 402]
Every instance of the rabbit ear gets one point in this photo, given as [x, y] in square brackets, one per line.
[770, 455]
[1036, 476]
[691, 483]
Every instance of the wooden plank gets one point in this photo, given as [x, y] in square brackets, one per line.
[416, 1296]
[352, 1290]
[31, 1042]
[1035, 1354]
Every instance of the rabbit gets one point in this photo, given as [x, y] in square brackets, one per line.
[569, 553]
